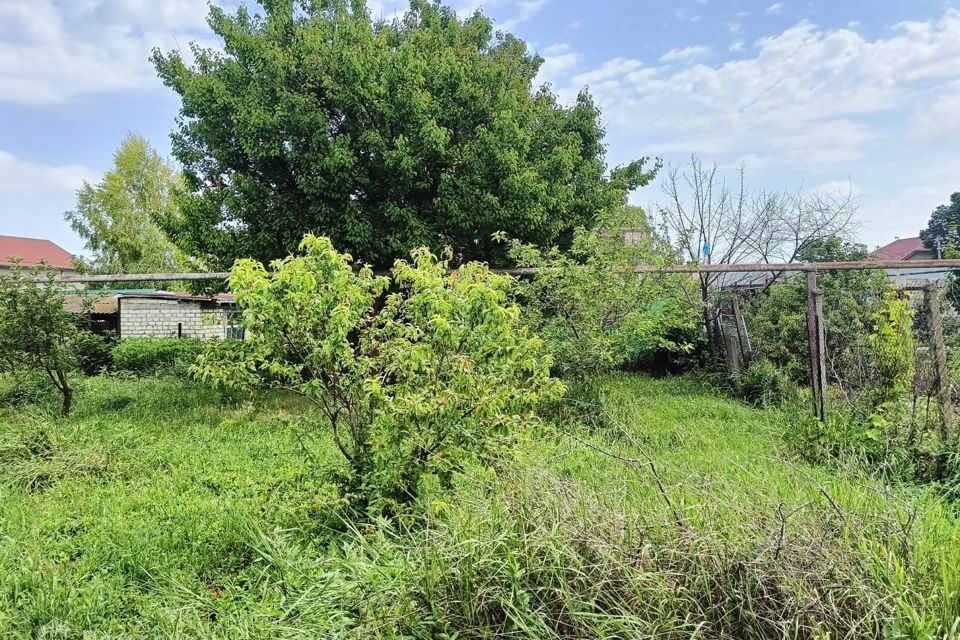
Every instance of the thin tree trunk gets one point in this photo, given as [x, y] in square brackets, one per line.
[67, 392]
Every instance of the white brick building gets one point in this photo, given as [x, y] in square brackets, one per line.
[176, 315]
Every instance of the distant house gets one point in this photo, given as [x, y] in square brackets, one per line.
[907, 250]
[163, 314]
[30, 252]
[904, 249]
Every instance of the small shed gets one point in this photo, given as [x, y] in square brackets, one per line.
[178, 315]
[100, 309]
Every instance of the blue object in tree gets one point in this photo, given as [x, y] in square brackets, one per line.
[706, 249]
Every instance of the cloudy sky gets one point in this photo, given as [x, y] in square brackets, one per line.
[808, 94]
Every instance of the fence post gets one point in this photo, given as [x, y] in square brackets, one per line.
[816, 338]
[931, 299]
[743, 336]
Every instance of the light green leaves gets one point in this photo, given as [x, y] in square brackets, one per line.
[119, 217]
[415, 373]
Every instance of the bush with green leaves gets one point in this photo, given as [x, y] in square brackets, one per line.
[413, 374]
[891, 342]
[765, 385]
[152, 356]
[94, 351]
[777, 319]
[36, 333]
[595, 314]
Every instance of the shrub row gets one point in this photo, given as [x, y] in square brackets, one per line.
[97, 353]
[152, 356]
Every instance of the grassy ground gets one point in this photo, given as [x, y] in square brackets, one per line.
[159, 511]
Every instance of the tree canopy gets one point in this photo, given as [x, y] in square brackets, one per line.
[944, 225]
[118, 217]
[383, 135]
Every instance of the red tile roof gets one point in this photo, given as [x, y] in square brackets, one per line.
[32, 251]
[898, 249]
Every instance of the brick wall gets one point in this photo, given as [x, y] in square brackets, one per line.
[153, 318]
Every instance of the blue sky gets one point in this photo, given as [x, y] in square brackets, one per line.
[807, 94]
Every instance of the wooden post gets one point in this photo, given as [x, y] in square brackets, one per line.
[816, 338]
[939, 352]
[731, 347]
[743, 337]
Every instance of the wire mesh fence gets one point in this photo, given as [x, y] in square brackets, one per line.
[855, 339]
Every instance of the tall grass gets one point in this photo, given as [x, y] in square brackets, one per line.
[165, 512]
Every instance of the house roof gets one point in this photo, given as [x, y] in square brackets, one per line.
[33, 251]
[81, 303]
[900, 249]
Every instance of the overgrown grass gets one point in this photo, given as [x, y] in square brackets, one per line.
[158, 510]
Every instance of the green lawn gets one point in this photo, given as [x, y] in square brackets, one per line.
[157, 510]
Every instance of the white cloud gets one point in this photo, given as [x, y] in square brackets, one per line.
[517, 11]
[685, 54]
[802, 99]
[611, 70]
[525, 9]
[34, 196]
[20, 176]
[56, 51]
[936, 118]
[776, 7]
[557, 59]
[53, 52]
[685, 15]
[737, 46]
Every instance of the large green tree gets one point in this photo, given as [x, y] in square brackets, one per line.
[384, 136]
[118, 216]
[944, 226]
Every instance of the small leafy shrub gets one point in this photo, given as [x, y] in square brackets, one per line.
[891, 342]
[841, 436]
[851, 300]
[594, 313]
[37, 334]
[764, 385]
[94, 352]
[414, 374]
[152, 356]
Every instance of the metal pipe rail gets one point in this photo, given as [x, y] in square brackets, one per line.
[755, 267]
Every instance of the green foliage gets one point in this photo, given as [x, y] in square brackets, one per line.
[150, 356]
[944, 225]
[412, 382]
[117, 217]
[763, 384]
[36, 332]
[842, 437]
[94, 352]
[156, 512]
[891, 340]
[594, 313]
[423, 131]
[851, 302]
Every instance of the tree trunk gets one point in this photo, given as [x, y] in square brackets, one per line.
[67, 392]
